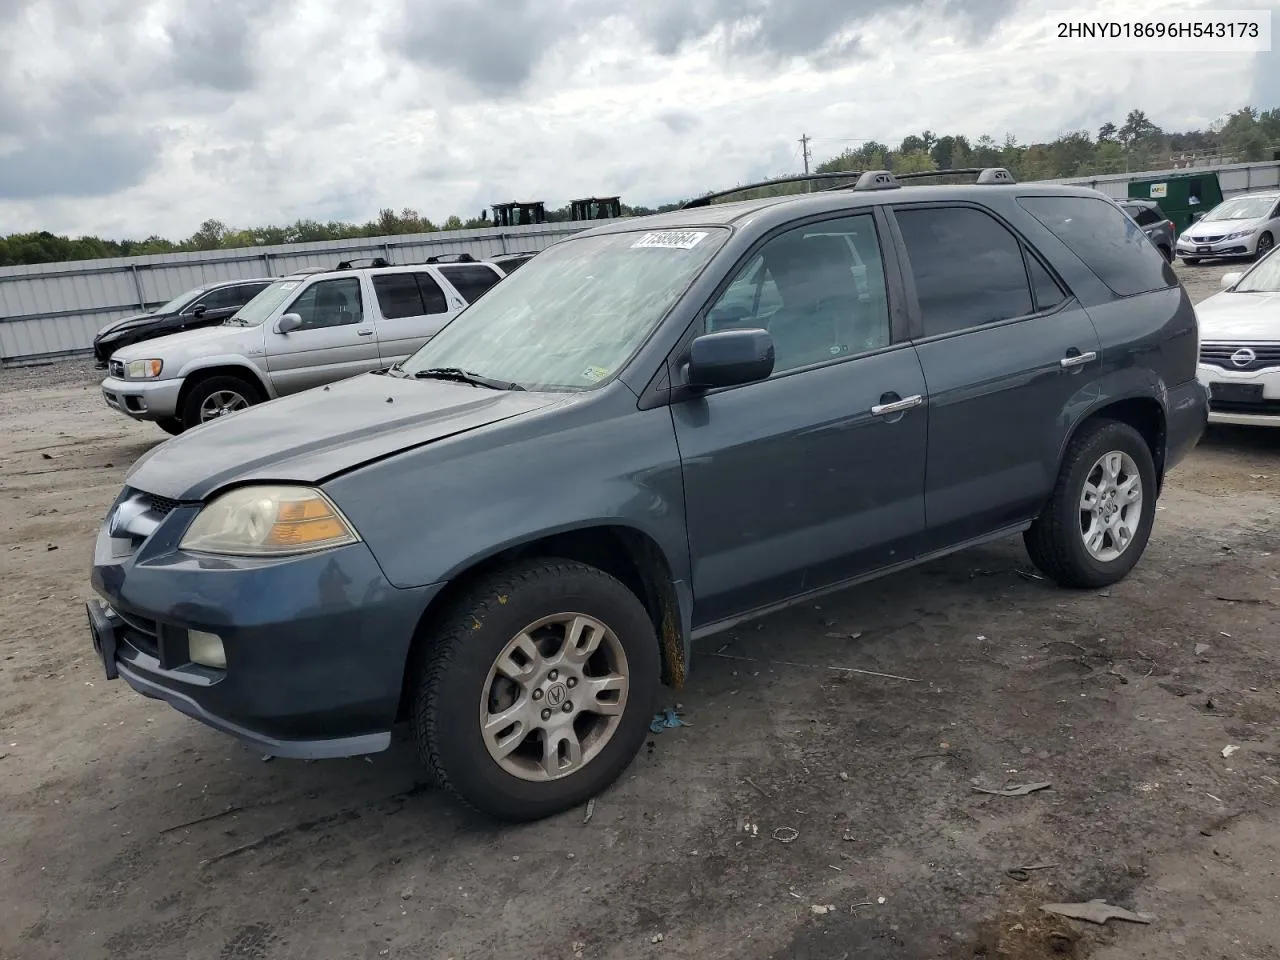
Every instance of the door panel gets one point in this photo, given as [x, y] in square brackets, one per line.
[995, 326]
[413, 308]
[794, 483]
[335, 341]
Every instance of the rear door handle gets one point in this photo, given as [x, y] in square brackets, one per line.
[1077, 360]
[364, 333]
[897, 406]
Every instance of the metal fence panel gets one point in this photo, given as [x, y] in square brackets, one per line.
[55, 309]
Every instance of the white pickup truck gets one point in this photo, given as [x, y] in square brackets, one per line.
[302, 331]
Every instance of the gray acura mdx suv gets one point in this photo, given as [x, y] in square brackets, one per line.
[655, 429]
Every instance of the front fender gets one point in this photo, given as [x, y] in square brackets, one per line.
[430, 513]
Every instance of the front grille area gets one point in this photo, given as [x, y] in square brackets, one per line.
[1265, 355]
[162, 506]
[1204, 240]
[141, 633]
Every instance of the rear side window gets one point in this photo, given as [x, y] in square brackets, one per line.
[433, 299]
[470, 280]
[1109, 243]
[398, 295]
[968, 268]
[1146, 216]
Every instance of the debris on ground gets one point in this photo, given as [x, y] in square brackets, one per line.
[1023, 874]
[1095, 911]
[1020, 790]
[844, 636]
[656, 938]
[1229, 749]
[667, 719]
[1202, 648]
[591, 809]
[821, 910]
[844, 776]
[786, 834]
[759, 789]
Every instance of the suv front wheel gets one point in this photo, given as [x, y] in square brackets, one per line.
[216, 397]
[537, 690]
[1096, 525]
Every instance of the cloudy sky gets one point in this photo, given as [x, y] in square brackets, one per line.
[124, 118]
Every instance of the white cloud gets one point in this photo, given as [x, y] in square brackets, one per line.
[132, 117]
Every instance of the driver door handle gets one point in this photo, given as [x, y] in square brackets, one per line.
[364, 333]
[897, 406]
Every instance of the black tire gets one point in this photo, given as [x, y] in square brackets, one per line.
[1054, 540]
[204, 389]
[1265, 243]
[454, 668]
[170, 425]
[1190, 261]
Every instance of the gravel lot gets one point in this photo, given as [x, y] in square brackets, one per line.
[132, 832]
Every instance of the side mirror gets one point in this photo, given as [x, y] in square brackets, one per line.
[1231, 279]
[728, 358]
[200, 311]
[288, 323]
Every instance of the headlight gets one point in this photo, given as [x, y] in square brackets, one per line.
[1237, 235]
[143, 369]
[269, 521]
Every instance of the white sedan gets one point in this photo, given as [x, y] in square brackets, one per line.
[1240, 346]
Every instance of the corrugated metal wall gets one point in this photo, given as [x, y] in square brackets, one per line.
[1234, 178]
[53, 310]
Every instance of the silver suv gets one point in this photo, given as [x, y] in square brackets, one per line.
[304, 330]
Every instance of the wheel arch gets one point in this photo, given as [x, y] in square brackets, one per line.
[1143, 412]
[624, 552]
[245, 372]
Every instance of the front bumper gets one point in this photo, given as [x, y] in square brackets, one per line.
[1239, 247]
[1245, 398]
[143, 399]
[316, 646]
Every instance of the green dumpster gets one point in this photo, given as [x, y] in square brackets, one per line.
[1184, 197]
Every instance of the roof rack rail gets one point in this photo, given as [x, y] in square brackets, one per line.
[371, 261]
[986, 176]
[705, 200]
[305, 272]
[451, 258]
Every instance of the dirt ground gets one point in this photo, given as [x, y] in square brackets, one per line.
[130, 831]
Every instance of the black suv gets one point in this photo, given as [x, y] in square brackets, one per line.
[204, 306]
[1159, 229]
[654, 430]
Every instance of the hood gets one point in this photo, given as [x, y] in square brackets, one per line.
[188, 341]
[135, 320]
[1220, 228]
[310, 436]
[1239, 316]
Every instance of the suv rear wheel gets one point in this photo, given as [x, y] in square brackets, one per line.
[537, 691]
[1096, 525]
[217, 397]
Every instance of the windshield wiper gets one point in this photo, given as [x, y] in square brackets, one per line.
[464, 376]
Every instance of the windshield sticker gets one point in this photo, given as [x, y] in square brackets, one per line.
[289, 284]
[594, 374]
[671, 240]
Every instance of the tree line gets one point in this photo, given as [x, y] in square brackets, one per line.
[1137, 144]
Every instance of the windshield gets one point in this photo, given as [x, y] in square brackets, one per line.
[1241, 208]
[1263, 278]
[177, 303]
[264, 304]
[574, 314]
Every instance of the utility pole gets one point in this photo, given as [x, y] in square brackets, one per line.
[804, 144]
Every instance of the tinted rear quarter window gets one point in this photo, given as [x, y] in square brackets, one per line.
[471, 280]
[1109, 243]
